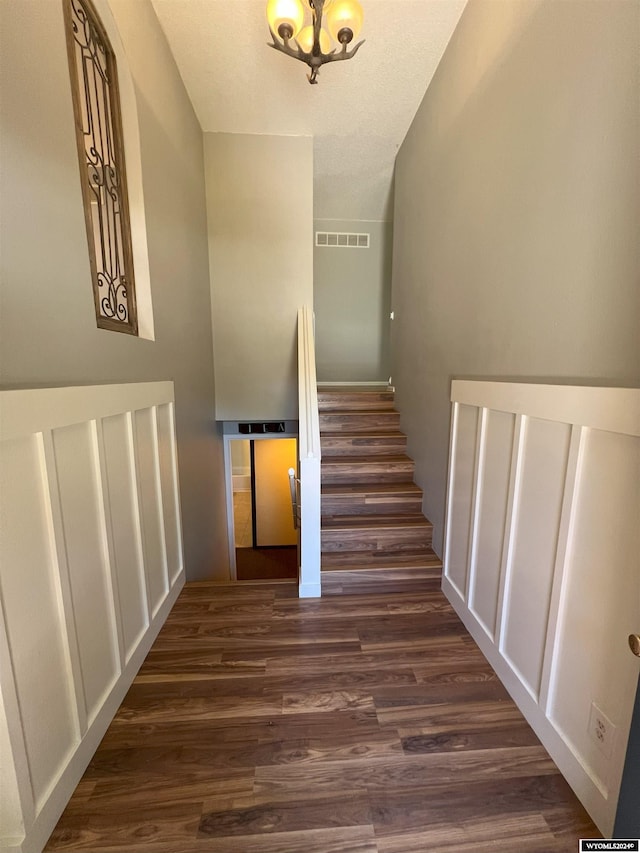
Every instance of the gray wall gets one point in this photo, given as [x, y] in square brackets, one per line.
[48, 332]
[351, 298]
[260, 206]
[516, 245]
[240, 456]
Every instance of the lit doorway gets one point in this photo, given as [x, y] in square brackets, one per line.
[264, 537]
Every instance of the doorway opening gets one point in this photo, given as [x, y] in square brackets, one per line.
[265, 541]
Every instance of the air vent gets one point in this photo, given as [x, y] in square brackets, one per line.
[334, 240]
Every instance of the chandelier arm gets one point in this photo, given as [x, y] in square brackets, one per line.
[287, 51]
[309, 58]
[285, 47]
[335, 56]
[315, 62]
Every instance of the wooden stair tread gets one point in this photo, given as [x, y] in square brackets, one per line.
[356, 522]
[350, 470]
[341, 400]
[363, 436]
[375, 533]
[370, 499]
[408, 556]
[324, 385]
[359, 412]
[421, 554]
[434, 567]
[380, 582]
[366, 460]
[359, 421]
[347, 445]
[338, 489]
[340, 561]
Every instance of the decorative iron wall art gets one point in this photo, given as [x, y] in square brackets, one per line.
[96, 105]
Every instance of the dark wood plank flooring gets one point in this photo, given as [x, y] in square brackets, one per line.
[362, 723]
[266, 563]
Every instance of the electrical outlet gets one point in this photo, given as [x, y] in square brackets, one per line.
[601, 730]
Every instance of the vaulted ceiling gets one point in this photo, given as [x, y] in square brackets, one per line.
[359, 112]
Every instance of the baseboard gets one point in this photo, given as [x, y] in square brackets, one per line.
[241, 482]
[309, 590]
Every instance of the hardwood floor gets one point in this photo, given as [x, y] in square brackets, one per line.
[267, 563]
[260, 723]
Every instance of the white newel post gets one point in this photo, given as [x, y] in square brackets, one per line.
[309, 583]
[309, 455]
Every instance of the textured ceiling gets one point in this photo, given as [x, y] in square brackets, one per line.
[359, 112]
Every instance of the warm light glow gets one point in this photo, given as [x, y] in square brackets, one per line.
[287, 12]
[305, 40]
[344, 14]
[344, 20]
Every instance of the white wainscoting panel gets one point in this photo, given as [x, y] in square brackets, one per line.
[169, 485]
[125, 529]
[463, 465]
[492, 499]
[89, 524]
[84, 538]
[542, 562]
[529, 572]
[34, 622]
[149, 492]
[603, 559]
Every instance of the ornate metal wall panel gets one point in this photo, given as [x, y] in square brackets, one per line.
[96, 104]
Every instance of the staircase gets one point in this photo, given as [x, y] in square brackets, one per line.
[373, 529]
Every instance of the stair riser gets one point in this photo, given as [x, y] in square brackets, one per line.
[353, 583]
[376, 539]
[418, 557]
[377, 575]
[336, 445]
[336, 475]
[370, 400]
[368, 505]
[359, 421]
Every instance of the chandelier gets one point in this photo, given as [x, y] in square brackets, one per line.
[312, 43]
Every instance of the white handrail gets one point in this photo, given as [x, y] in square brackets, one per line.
[309, 450]
[293, 489]
[307, 386]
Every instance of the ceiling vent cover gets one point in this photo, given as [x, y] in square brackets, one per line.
[335, 240]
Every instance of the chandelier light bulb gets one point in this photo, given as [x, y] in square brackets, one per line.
[305, 40]
[344, 20]
[285, 17]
